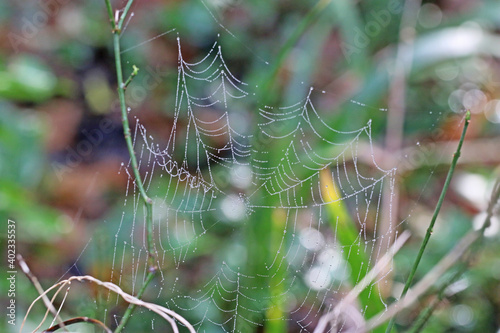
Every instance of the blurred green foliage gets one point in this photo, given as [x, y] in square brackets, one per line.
[454, 55]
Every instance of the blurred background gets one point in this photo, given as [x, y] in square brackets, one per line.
[411, 67]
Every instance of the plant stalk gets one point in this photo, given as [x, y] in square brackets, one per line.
[117, 24]
[425, 315]
[131, 307]
[434, 216]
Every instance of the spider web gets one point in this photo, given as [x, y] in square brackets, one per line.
[227, 168]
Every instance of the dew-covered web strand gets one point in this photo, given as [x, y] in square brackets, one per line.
[74, 266]
[212, 15]
[189, 163]
[421, 150]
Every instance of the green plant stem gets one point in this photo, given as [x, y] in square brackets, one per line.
[131, 77]
[117, 25]
[424, 316]
[131, 307]
[434, 216]
[124, 15]
[110, 14]
[427, 312]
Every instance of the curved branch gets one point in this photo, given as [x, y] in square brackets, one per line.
[78, 320]
[165, 313]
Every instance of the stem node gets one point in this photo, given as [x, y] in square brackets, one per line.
[131, 77]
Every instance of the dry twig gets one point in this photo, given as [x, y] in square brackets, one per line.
[334, 315]
[165, 313]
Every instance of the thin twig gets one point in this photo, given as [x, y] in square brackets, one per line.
[427, 312]
[48, 304]
[353, 294]
[131, 307]
[435, 215]
[76, 321]
[456, 253]
[131, 77]
[110, 14]
[117, 24]
[124, 14]
[165, 313]
[412, 295]
[428, 281]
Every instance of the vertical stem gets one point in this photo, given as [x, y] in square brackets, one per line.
[425, 315]
[131, 307]
[435, 215]
[117, 25]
